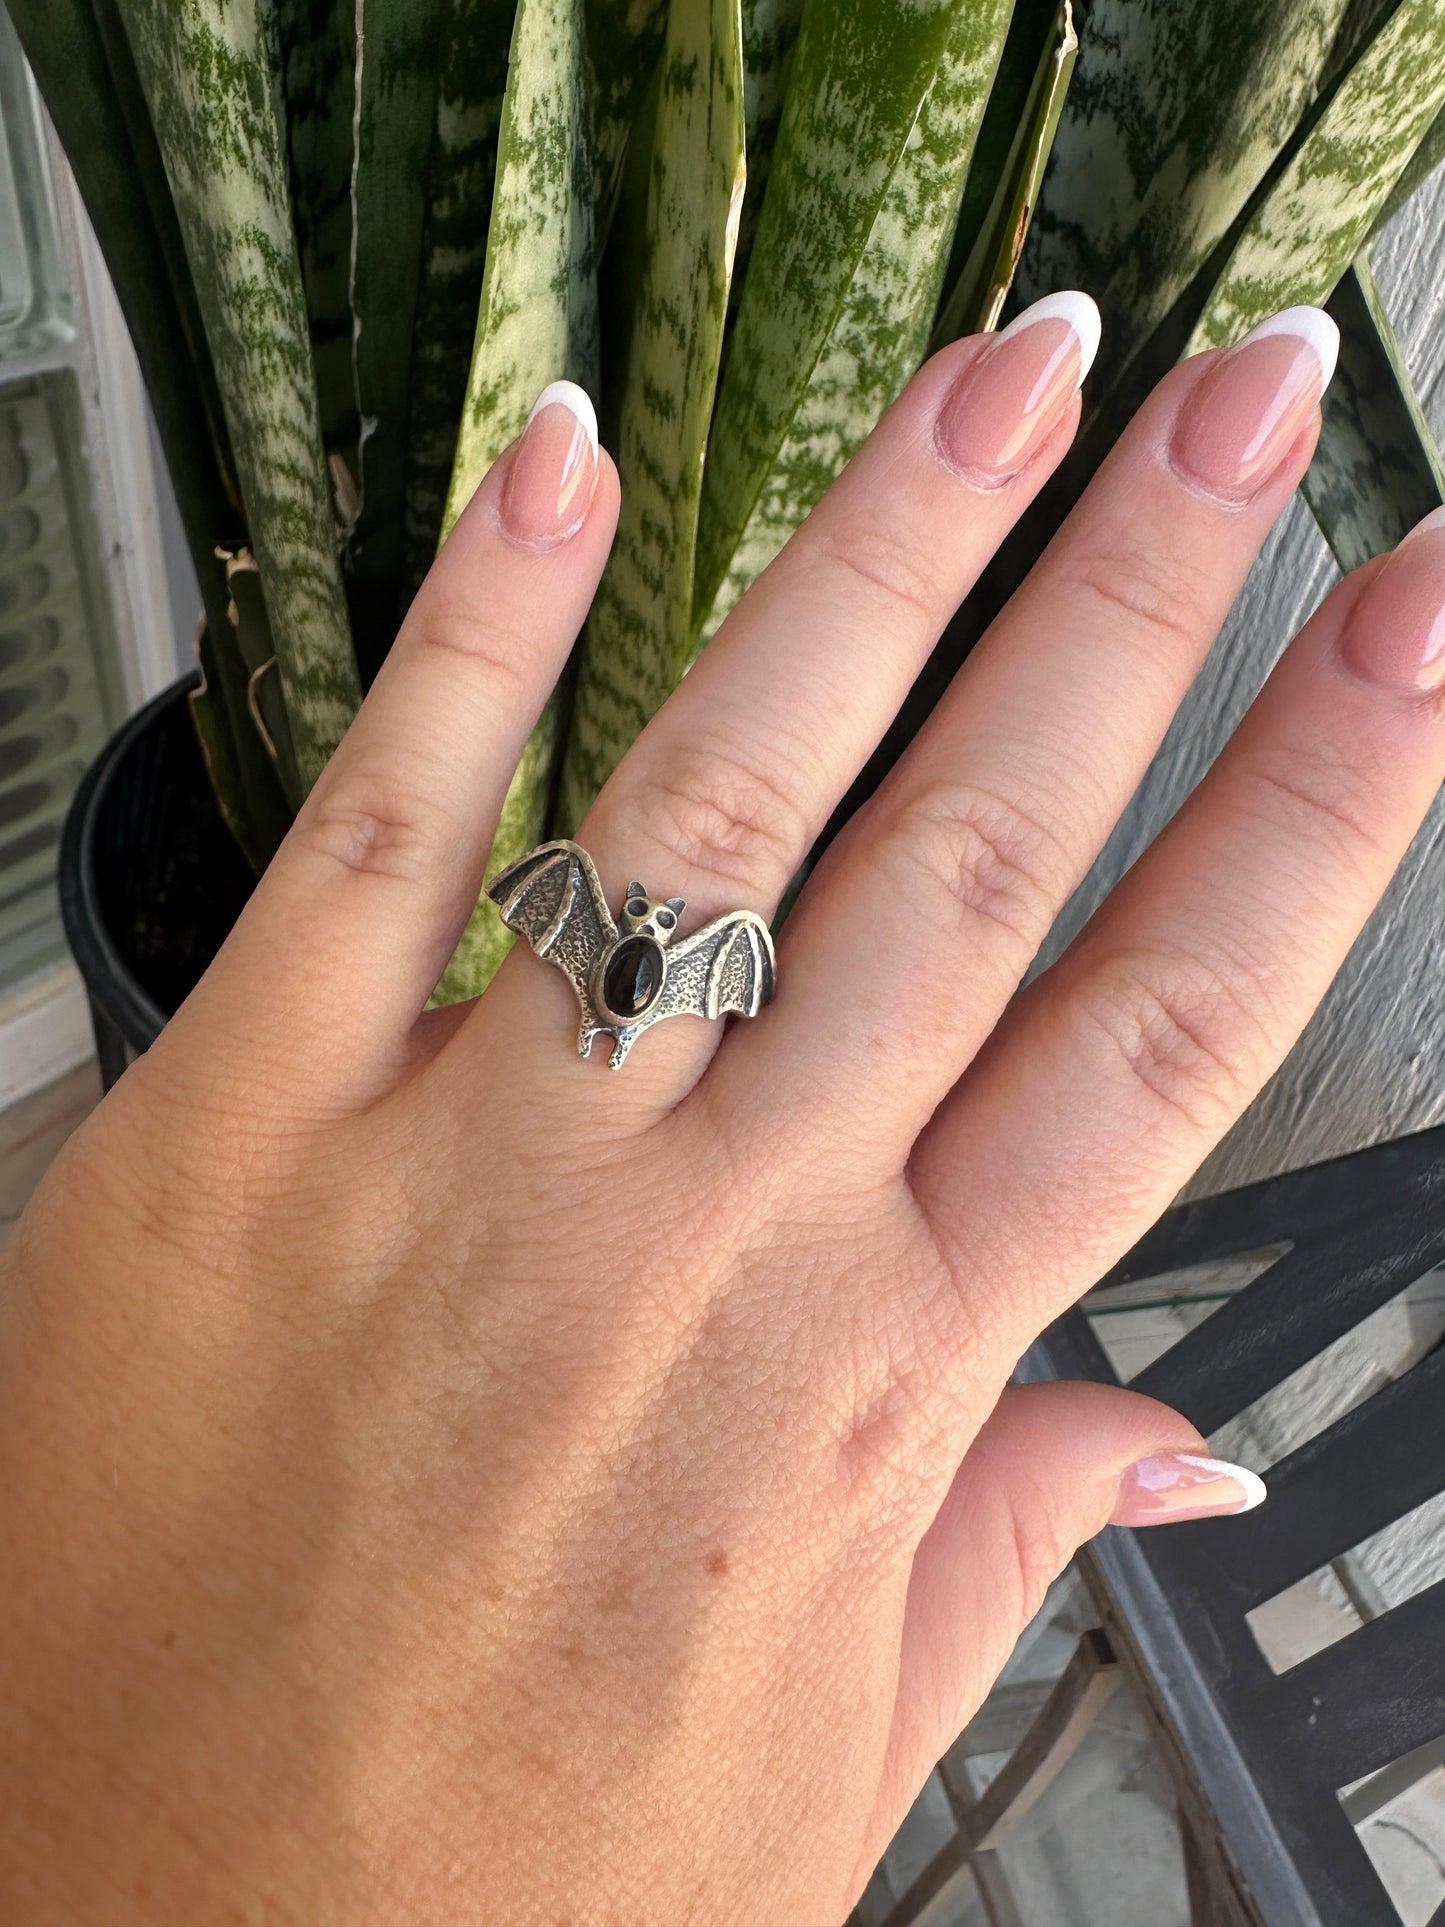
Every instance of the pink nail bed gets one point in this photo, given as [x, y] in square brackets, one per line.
[1009, 400]
[1249, 409]
[1394, 636]
[553, 470]
[1184, 1485]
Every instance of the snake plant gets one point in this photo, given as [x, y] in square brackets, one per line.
[353, 238]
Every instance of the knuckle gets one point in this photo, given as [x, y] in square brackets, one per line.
[984, 857]
[721, 815]
[377, 825]
[1192, 1036]
[1155, 594]
[887, 567]
[498, 649]
[1042, 1546]
[1322, 799]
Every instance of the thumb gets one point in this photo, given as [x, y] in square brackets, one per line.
[1052, 1465]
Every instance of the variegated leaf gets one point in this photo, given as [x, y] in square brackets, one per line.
[206, 77]
[858, 79]
[1308, 227]
[639, 632]
[396, 117]
[881, 331]
[312, 46]
[987, 272]
[1376, 470]
[1429, 155]
[624, 42]
[1174, 117]
[770, 33]
[537, 322]
[473, 38]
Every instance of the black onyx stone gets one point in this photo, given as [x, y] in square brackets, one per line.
[633, 977]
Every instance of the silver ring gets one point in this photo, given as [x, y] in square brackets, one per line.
[630, 974]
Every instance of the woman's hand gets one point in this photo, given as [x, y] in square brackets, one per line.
[445, 1482]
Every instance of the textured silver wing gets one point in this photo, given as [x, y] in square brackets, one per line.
[725, 966]
[552, 897]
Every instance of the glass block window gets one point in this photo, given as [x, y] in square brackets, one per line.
[61, 681]
[58, 693]
[35, 305]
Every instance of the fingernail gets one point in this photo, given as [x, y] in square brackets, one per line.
[1247, 412]
[1008, 401]
[1180, 1485]
[1394, 636]
[553, 470]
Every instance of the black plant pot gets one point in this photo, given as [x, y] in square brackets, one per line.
[150, 878]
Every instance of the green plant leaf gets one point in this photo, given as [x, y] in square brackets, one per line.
[624, 43]
[1422, 163]
[312, 49]
[770, 34]
[858, 79]
[986, 272]
[1173, 119]
[212, 720]
[638, 634]
[249, 633]
[206, 77]
[537, 322]
[246, 782]
[395, 123]
[472, 42]
[880, 333]
[1376, 470]
[1306, 230]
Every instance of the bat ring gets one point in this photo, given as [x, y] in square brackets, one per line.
[631, 973]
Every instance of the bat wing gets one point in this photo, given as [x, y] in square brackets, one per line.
[727, 965]
[553, 898]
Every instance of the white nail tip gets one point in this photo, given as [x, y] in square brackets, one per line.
[1434, 520]
[1254, 1486]
[1305, 324]
[1078, 310]
[568, 395]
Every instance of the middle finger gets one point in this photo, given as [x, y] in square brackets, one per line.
[927, 912]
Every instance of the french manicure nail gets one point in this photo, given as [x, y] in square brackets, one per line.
[1247, 412]
[1181, 1485]
[1394, 635]
[553, 469]
[1008, 401]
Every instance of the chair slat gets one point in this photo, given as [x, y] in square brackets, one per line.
[1359, 1705]
[1370, 1468]
[1317, 1204]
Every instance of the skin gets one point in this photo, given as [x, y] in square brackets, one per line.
[447, 1482]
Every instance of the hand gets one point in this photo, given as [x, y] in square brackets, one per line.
[446, 1482]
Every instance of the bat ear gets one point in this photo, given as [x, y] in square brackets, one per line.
[679, 904]
[635, 889]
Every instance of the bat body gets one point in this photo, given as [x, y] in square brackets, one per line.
[629, 975]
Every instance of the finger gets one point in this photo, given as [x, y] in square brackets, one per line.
[372, 887]
[1114, 1075]
[930, 908]
[1052, 1465]
[722, 795]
